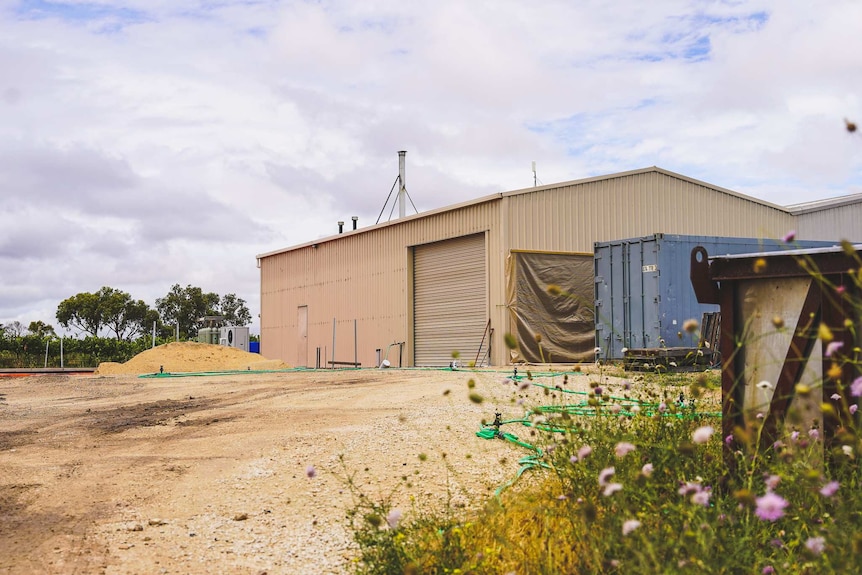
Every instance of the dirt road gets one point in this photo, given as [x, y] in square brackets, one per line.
[119, 474]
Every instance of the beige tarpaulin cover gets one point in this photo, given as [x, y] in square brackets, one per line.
[565, 322]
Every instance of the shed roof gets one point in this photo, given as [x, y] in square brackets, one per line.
[794, 210]
[825, 204]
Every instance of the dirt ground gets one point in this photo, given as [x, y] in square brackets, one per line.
[208, 474]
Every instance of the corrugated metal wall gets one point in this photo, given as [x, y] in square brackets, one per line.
[364, 275]
[844, 222]
[450, 281]
[573, 217]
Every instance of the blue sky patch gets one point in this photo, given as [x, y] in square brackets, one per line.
[79, 13]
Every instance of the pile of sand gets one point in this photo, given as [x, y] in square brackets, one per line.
[183, 357]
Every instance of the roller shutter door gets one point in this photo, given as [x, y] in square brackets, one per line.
[450, 309]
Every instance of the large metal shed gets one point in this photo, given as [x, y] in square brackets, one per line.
[416, 289]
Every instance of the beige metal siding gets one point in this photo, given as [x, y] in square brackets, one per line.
[839, 223]
[450, 300]
[573, 217]
[363, 275]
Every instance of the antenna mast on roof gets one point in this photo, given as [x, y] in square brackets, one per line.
[401, 182]
[402, 188]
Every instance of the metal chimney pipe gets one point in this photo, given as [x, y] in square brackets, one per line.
[402, 190]
[355, 219]
[340, 227]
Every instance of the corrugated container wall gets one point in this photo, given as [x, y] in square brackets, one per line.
[364, 276]
[643, 291]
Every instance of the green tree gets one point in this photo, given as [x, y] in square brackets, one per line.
[186, 306]
[126, 317]
[41, 329]
[83, 312]
[234, 310]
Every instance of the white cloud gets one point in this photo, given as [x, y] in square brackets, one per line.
[150, 142]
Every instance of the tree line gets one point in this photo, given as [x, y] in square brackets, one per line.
[110, 325]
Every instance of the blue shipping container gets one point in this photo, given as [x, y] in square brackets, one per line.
[643, 290]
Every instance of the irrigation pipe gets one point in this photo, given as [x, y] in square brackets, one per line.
[593, 407]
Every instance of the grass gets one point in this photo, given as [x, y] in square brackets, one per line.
[648, 489]
[641, 494]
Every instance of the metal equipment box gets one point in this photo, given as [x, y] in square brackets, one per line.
[234, 336]
[643, 291]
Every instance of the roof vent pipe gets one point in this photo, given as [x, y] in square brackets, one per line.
[340, 227]
[402, 189]
[355, 219]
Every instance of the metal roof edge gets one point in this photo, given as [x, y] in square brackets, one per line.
[429, 213]
[824, 204]
[652, 169]
[787, 253]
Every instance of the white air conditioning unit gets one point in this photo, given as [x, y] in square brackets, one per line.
[234, 336]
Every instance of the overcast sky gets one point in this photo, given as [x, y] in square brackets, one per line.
[145, 143]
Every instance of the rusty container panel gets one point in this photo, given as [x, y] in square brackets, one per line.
[788, 339]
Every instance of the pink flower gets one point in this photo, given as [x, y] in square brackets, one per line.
[584, 451]
[813, 434]
[647, 469]
[662, 407]
[702, 434]
[770, 507]
[623, 448]
[829, 489]
[833, 347]
[816, 545]
[729, 439]
[310, 471]
[853, 409]
[856, 387]
[834, 397]
[616, 408]
[794, 436]
[393, 518]
[630, 526]
[689, 487]
[701, 498]
[606, 474]
[768, 570]
[772, 482]
[789, 236]
[611, 488]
